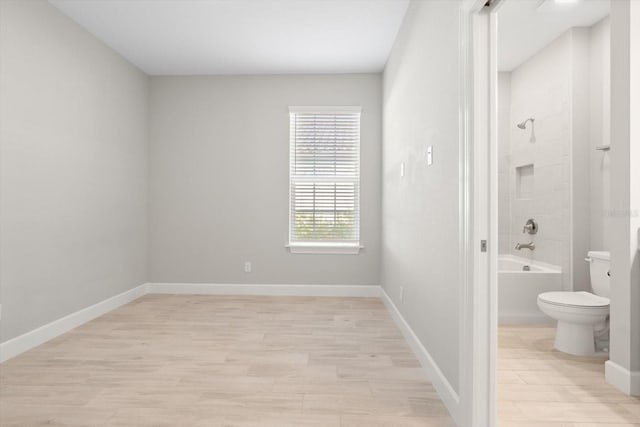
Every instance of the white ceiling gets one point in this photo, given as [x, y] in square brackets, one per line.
[244, 36]
[526, 26]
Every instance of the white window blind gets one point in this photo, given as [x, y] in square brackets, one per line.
[324, 176]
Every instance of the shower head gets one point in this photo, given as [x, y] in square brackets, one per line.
[523, 125]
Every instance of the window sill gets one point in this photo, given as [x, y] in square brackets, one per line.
[328, 248]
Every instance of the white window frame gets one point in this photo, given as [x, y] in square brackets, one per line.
[322, 247]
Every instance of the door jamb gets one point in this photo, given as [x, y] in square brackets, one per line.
[479, 207]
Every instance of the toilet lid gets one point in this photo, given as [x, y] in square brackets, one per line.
[575, 299]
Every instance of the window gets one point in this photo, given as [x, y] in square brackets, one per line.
[324, 179]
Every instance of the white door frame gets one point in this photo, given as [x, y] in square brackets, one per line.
[479, 203]
[479, 28]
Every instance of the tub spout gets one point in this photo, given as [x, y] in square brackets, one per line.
[530, 246]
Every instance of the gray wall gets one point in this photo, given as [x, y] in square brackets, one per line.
[219, 152]
[624, 213]
[73, 132]
[600, 133]
[420, 250]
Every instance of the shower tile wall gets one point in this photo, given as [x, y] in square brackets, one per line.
[539, 88]
[565, 88]
[504, 163]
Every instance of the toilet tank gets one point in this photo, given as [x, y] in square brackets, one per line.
[599, 267]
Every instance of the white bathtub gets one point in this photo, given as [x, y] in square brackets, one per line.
[518, 290]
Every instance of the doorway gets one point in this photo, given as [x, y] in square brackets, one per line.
[534, 381]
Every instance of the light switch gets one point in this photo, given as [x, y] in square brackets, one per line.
[402, 170]
[430, 155]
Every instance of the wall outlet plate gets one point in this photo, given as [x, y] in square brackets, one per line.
[247, 266]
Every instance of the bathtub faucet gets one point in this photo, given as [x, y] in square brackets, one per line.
[530, 246]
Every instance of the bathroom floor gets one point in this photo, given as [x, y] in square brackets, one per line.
[538, 385]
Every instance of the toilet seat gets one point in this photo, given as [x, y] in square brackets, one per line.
[574, 299]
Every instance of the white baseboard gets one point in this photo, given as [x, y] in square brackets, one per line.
[439, 381]
[31, 339]
[255, 289]
[623, 379]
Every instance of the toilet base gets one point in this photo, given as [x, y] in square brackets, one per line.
[575, 338]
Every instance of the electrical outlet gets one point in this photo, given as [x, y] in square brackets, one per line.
[402, 294]
[247, 266]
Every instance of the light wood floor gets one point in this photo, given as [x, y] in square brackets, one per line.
[167, 360]
[539, 386]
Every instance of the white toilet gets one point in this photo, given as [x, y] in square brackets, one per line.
[582, 316]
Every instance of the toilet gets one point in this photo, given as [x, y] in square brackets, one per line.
[583, 317]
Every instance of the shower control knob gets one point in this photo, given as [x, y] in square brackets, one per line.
[530, 227]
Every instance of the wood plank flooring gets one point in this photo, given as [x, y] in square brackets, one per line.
[540, 386]
[171, 360]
